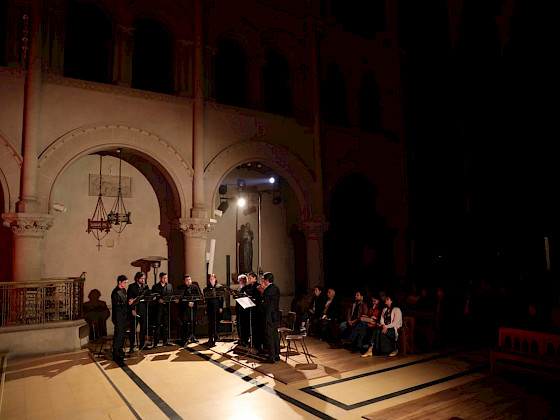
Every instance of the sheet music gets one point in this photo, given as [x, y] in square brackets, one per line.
[245, 302]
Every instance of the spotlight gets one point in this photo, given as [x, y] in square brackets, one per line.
[223, 189]
[249, 210]
[271, 180]
[223, 206]
[241, 183]
[218, 213]
[241, 202]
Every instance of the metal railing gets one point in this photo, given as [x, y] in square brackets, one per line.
[40, 302]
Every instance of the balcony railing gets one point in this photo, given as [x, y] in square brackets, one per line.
[40, 302]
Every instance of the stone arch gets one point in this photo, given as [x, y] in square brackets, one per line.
[288, 165]
[10, 172]
[95, 138]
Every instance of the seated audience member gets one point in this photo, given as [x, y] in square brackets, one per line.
[444, 317]
[363, 331]
[425, 302]
[330, 317]
[533, 320]
[386, 334]
[316, 307]
[358, 309]
[412, 298]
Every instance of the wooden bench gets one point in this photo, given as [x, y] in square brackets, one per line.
[530, 351]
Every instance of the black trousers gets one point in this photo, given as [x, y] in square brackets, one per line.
[187, 318]
[118, 340]
[272, 340]
[162, 323]
[141, 321]
[212, 324]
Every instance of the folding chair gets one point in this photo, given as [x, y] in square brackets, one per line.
[288, 328]
[294, 338]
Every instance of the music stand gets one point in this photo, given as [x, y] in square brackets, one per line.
[247, 303]
[192, 298]
[166, 300]
[138, 300]
[211, 293]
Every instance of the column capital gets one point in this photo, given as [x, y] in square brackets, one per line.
[194, 227]
[28, 224]
[313, 227]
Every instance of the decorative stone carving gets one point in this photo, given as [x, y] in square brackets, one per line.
[314, 228]
[28, 224]
[54, 78]
[195, 227]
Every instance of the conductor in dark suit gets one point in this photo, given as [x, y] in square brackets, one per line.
[119, 307]
[271, 317]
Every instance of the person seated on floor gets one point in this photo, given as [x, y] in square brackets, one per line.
[330, 317]
[386, 334]
[358, 309]
[315, 309]
[363, 331]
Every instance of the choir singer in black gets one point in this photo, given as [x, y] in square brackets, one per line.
[162, 289]
[119, 307]
[138, 312]
[214, 307]
[187, 310]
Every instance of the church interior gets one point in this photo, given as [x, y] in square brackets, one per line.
[372, 146]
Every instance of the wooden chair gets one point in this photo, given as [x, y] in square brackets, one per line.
[288, 328]
[295, 338]
[406, 336]
[102, 341]
[228, 325]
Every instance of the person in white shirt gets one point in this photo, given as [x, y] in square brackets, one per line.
[386, 335]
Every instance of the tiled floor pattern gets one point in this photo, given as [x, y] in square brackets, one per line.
[201, 383]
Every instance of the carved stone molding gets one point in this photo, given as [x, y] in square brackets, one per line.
[28, 224]
[314, 228]
[195, 227]
[56, 78]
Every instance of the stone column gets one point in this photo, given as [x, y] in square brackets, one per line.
[181, 67]
[31, 116]
[195, 232]
[314, 230]
[28, 231]
[317, 141]
[122, 56]
[198, 210]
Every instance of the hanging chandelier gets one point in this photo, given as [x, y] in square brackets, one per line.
[118, 215]
[99, 223]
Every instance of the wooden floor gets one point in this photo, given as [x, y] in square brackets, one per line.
[328, 361]
[222, 382]
[512, 396]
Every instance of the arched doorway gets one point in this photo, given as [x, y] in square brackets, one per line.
[163, 195]
[292, 206]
